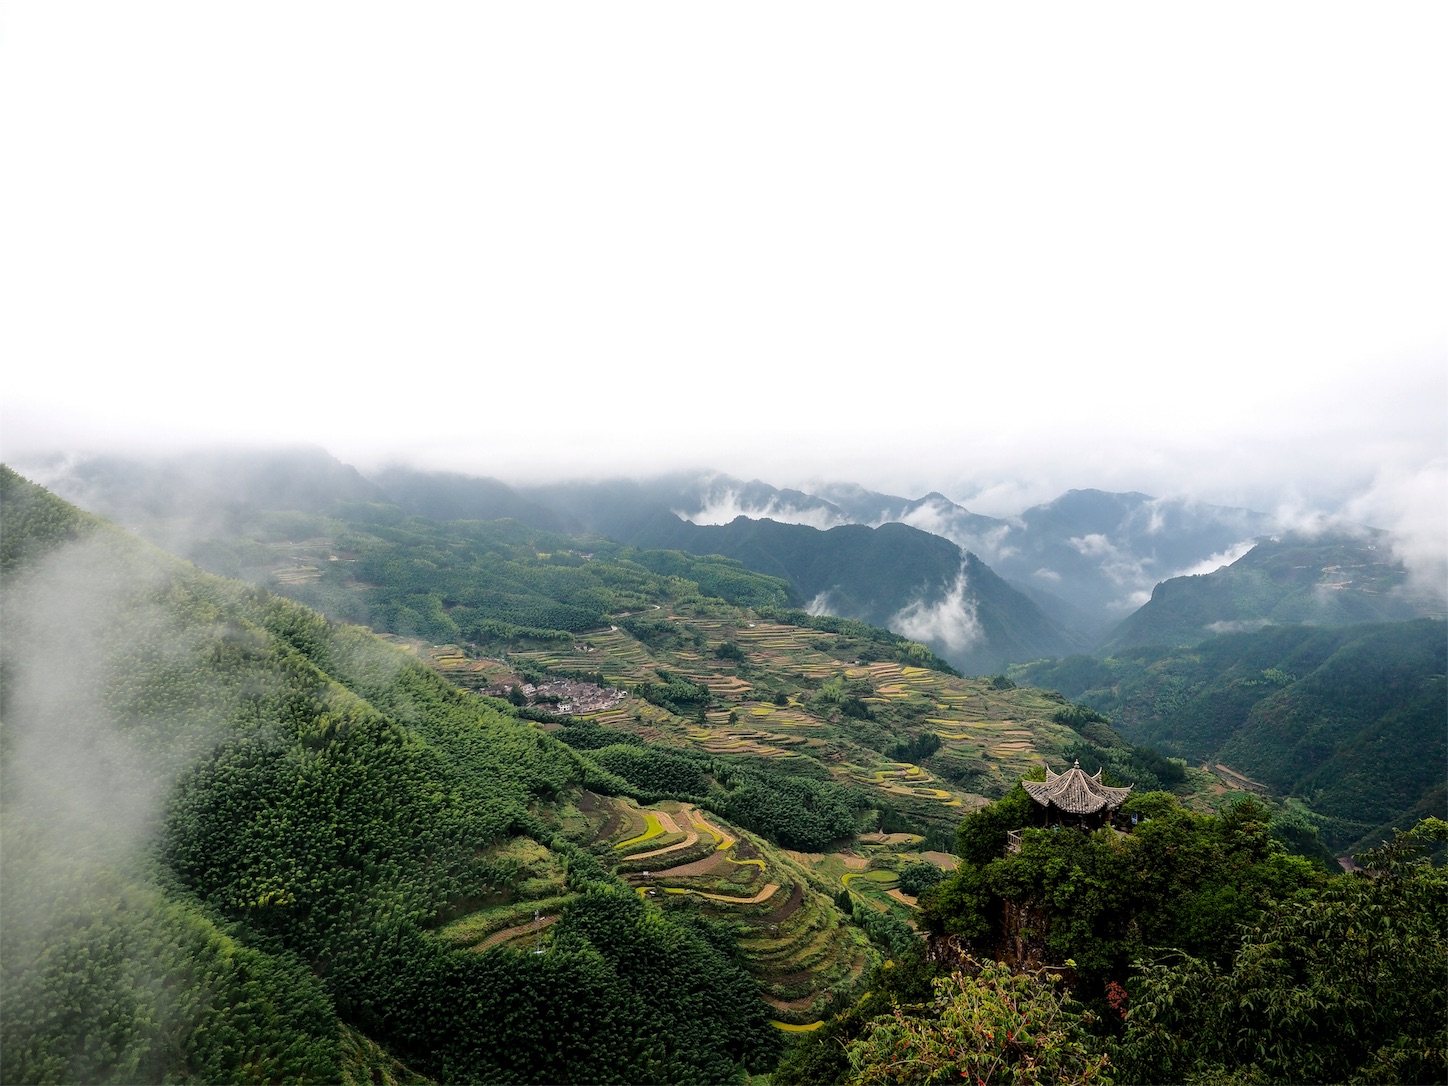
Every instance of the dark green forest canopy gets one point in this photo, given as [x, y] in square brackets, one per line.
[474, 581]
[1177, 879]
[1347, 719]
[1194, 948]
[231, 825]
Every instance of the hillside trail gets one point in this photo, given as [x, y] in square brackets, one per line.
[512, 933]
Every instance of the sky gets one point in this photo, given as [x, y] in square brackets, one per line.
[992, 250]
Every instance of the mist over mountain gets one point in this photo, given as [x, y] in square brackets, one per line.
[205, 482]
[912, 582]
[453, 496]
[1087, 558]
[1059, 577]
[1331, 579]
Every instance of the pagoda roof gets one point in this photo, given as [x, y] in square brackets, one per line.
[1075, 792]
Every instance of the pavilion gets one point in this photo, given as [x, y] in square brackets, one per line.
[1073, 798]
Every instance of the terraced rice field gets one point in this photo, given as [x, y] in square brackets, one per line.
[999, 733]
[794, 943]
[988, 737]
[621, 658]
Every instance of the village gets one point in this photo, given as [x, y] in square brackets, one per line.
[565, 696]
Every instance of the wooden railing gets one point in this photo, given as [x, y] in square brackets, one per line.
[1013, 840]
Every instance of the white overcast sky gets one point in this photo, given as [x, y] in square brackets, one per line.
[996, 249]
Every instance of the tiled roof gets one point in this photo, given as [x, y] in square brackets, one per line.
[1074, 792]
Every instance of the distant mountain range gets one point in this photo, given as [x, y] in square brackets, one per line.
[1087, 559]
[1062, 577]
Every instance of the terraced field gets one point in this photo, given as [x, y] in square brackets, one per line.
[795, 943]
[989, 737]
[534, 897]
[777, 695]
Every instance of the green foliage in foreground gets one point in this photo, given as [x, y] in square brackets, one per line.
[819, 1057]
[989, 1025]
[107, 979]
[1351, 986]
[885, 929]
[1335, 980]
[1179, 879]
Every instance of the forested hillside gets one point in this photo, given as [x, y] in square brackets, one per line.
[1350, 720]
[1181, 948]
[1330, 579]
[231, 828]
[913, 582]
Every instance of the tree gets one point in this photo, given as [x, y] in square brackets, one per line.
[991, 1027]
[1350, 987]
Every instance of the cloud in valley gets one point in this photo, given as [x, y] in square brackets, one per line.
[949, 621]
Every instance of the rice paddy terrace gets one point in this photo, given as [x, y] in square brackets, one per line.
[796, 944]
[775, 698]
[782, 905]
[770, 698]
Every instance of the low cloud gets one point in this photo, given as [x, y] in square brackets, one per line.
[1121, 567]
[1243, 625]
[726, 506]
[949, 621]
[69, 765]
[991, 547]
[1008, 497]
[1412, 504]
[1132, 601]
[1093, 545]
[936, 517]
[1214, 562]
[1157, 519]
[820, 604]
[88, 765]
[945, 518]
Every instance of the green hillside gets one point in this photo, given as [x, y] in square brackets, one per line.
[1350, 720]
[1333, 579]
[893, 575]
[615, 815]
[233, 832]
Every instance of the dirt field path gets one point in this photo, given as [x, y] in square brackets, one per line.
[512, 933]
[770, 888]
[710, 865]
[697, 817]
